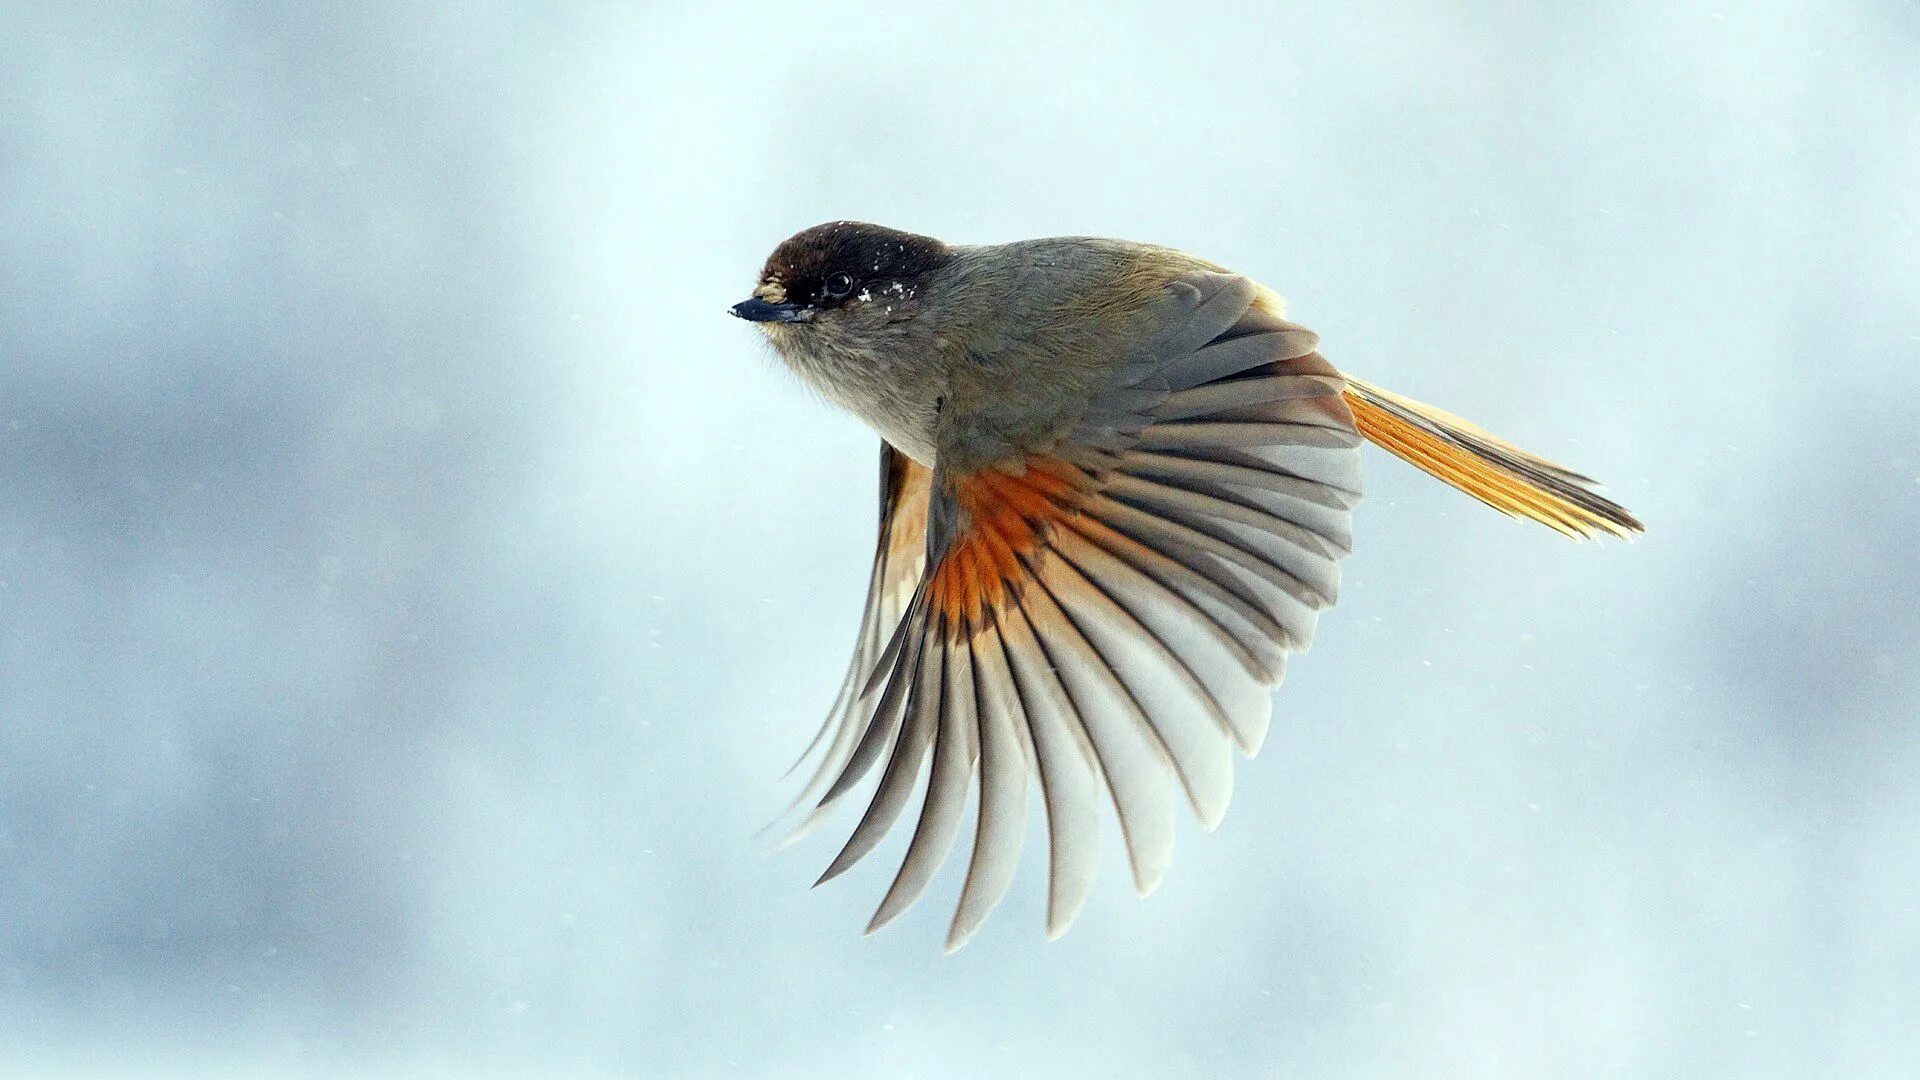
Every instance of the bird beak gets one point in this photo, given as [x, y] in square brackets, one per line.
[758, 310]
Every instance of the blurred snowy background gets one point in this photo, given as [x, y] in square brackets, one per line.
[412, 583]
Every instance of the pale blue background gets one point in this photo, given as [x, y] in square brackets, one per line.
[411, 582]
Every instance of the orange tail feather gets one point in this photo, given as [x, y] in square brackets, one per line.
[1488, 468]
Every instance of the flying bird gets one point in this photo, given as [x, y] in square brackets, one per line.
[1116, 487]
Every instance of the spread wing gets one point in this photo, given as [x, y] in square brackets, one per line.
[1108, 616]
[899, 557]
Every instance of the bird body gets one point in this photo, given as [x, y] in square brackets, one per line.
[1116, 489]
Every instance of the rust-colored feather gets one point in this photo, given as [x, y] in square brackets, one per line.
[1005, 518]
[1490, 469]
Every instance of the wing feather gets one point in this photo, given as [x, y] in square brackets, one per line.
[947, 784]
[920, 711]
[1069, 779]
[1001, 825]
[898, 562]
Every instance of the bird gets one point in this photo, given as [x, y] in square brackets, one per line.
[1116, 487]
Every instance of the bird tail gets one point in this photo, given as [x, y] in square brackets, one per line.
[1488, 468]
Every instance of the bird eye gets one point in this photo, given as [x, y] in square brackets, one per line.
[838, 285]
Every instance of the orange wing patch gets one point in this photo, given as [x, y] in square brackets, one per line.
[1004, 520]
[903, 513]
